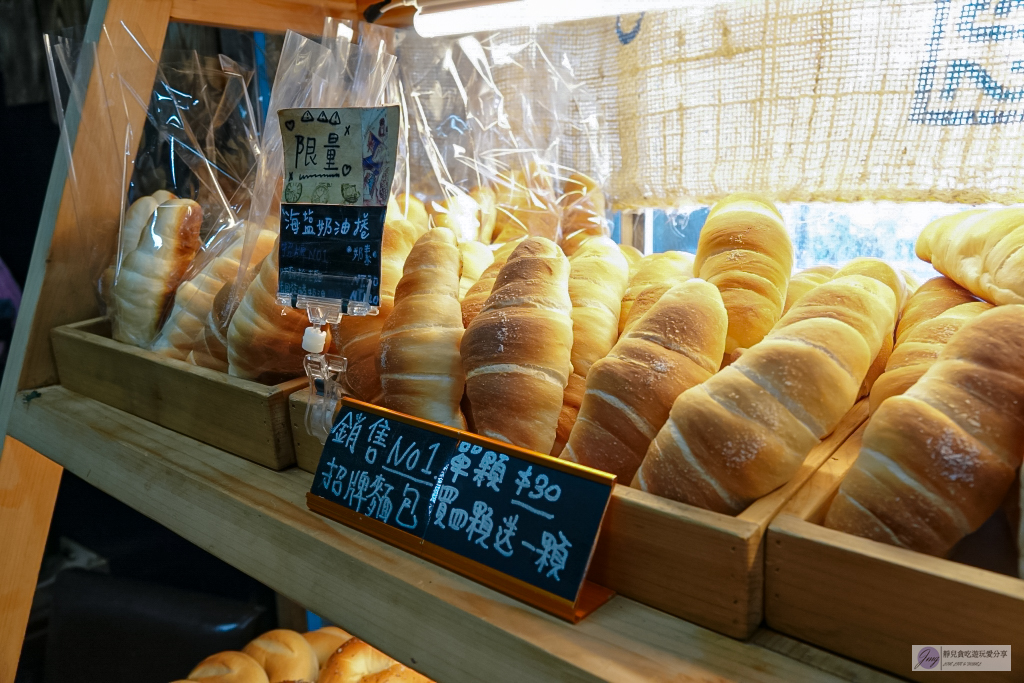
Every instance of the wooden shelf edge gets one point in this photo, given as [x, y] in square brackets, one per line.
[450, 628]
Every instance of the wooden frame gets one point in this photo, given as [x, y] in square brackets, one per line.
[872, 601]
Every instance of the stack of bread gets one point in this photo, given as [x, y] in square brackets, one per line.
[327, 655]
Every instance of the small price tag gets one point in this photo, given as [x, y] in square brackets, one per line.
[338, 169]
[518, 521]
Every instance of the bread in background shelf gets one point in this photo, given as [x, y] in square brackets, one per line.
[516, 351]
[744, 250]
[674, 346]
[931, 299]
[936, 462]
[229, 667]
[633, 256]
[526, 204]
[981, 250]
[476, 295]
[583, 212]
[419, 363]
[486, 200]
[805, 281]
[410, 208]
[476, 256]
[149, 275]
[460, 213]
[746, 431]
[325, 641]
[357, 662]
[597, 280]
[136, 219]
[666, 268]
[210, 349]
[285, 655]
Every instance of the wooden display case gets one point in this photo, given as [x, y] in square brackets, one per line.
[873, 601]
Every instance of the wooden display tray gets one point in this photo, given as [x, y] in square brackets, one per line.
[245, 418]
[698, 565]
[872, 601]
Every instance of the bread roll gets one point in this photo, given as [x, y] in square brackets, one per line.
[419, 363]
[665, 268]
[805, 281]
[136, 219]
[583, 212]
[476, 256]
[411, 209]
[150, 274]
[980, 250]
[744, 250]
[937, 461]
[633, 256]
[476, 295]
[229, 667]
[745, 431]
[326, 641]
[912, 282]
[516, 351]
[932, 298]
[285, 655]
[486, 200]
[571, 243]
[357, 662]
[264, 337]
[460, 213]
[526, 205]
[210, 349]
[597, 281]
[194, 298]
[359, 336]
[675, 345]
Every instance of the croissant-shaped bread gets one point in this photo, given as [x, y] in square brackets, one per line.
[210, 349]
[597, 281]
[745, 431]
[359, 336]
[805, 281]
[516, 351]
[675, 345]
[476, 256]
[932, 298]
[419, 363]
[476, 295]
[744, 250]
[150, 274]
[937, 461]
[981, 250]
[194, 299]
[666, 268]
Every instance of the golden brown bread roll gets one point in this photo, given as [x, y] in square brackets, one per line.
[359, 336]
[136, 219]
[583, 212]
[936, 462]
[229, 667]
[460, 213]
[597, 281]
[932, 298]
[411, 209]
[745, 431]
[675, 345]
[981, 250]
[285, 655]
[664, 268]
[486, 200]
[149, 275]
[476, 256]
[476, 295]
[211, 346]
[805, 281]
[419, 363]
[516, 351]
[744, 250]
[919, 349]
[633, 256]
[357, 662]
[325, 641]
[526, 204]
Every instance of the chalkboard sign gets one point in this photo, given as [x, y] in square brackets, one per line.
[338, 168]
[503, 515]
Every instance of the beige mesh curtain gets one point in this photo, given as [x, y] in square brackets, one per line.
[915, 100]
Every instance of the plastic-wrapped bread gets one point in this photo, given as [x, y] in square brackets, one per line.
[476, 257]
[516, 351]
[150, 274]
[285, 655]
[476, 295]
[460, 213]
[325, 641]
[229, 667]
[745, 431]
[210, 349]
[665, 268]
[411, 209]
[633, 256]
[805, 281]
[136, 219]
[675, 345]
[194, 299]
[583, 212]
[744, 250]
[419, 363]
[526, 205]
[359, 336]
[264, 337]
[932, 298]
[597, 280]
[936, 462]
[357, 662]
[981, 250]
[486, 200]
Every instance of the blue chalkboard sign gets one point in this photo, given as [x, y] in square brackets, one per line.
[503, 515]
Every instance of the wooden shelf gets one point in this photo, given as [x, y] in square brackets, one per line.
[444, 625]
